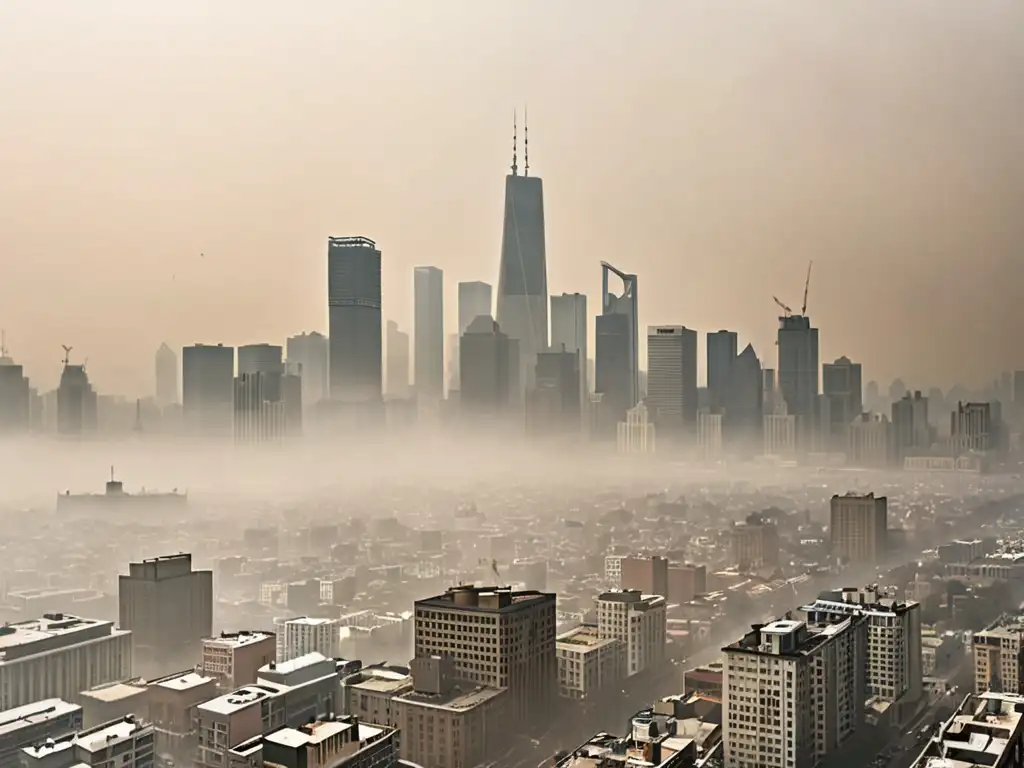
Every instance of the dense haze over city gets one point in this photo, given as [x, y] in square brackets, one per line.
[726, 143]
[459, 385]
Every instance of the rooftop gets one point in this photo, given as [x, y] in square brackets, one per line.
[460, 698]
[183, 681]
[467, 597]
[242, 698]
[582, 638]
[114, 691]
[38, 712]
[51, 632]
[981, 732]
[237, 639]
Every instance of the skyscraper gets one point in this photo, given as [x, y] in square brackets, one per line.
[259, 409]
[523, 276]
[208, 389]
[15, 397]
[842, 388]
[569, 330]
[429, 332]
[354, 305]
[617, 364]
[166, 376]
[744, 402]
[474, 300]
[398, 362]
[267, 360]
[76, 402]
[489, 361]
[722, 347]
[309, 351]
[798, 371]
[910, 431]
[672, 376]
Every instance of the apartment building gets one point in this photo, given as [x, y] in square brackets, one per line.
[858, 528]
[448, 723]
[755, 543]
[794, 692]
[998, 656]
[894, 655]
[234, 658]
[297, 637]
[126, 743]
[35, 723]
[286, 694]
[88, 653]
[588, 664]
[648, 575]
[638, 622]
[497, 637]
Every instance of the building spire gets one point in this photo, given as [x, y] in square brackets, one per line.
[526, 141]
[515, 146]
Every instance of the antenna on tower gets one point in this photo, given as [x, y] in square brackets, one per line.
[526, 141]
[3, 343]
[515, 146]
[67, 354]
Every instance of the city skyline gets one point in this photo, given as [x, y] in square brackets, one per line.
[172, 227]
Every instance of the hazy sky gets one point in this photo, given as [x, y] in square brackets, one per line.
[711, 146]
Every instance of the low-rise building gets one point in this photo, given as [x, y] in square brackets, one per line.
[35, 723]
[450, 723]
[126, 743]
[369, 693]
[986, 729]
[341, 743]
[587, 663]
[997, 656]
[233, 658]
[89, 653]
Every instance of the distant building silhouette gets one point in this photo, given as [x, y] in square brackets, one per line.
[398, 362]
[617, 363]
[15, 397]
[489, 362]
[475, 299]
[259, 410]
[310, 351]
[428, 300]
[722, 349]
[841, 384]
[798, 373]
[569, 331]
[672, 378]
[76, 402]
[166, 376]
[354, 306]
[554, 406]
[744, 404]
[208, 391]
[522, 311]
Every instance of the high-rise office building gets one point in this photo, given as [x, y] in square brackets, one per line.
[498, 638]
[522, 310]
[166, 376]
[259, 409]
[859, 528]
[722, 347]
[208, 389]
[842, 387]
[911, 434]
[744, 403]
[796, 687]
[569, 330]
[168, 608]
[798, 371]
[398, 362]
[672, 377]
[475, 299]
[354, 306]
[15, 397]
[309, 352]
[554, 406]
[429, 332]
[488, 362]
[76, 402]
[974, 427]
[266, 360]
[617, 363]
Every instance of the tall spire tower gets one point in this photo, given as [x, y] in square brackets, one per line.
[522, 311]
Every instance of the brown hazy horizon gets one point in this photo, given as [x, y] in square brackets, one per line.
[713, 147]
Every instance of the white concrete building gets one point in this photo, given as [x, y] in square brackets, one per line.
[894, 641]
[87, 653]
[124, 743]
[613, 571]
[793, 692]
[587, 663]
[637, 621]
[297, 637]
[636, 434]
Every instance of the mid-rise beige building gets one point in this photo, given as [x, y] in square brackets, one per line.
[639, 623]
[998, 656]
[58, 656]
[588, 664]
[448, 723]
[858, 528]
[497, 638]
[755, 543]
[234, 658]
[794, 692]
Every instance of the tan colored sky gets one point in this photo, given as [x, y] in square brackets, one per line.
[711, 146]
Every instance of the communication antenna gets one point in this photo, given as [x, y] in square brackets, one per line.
[526, 141]
[67, 353]
[515, 146]
[3, 343]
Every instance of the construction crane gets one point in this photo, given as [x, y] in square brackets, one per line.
[67, 354]
[807, 285]
[494, 568]
[785, 309]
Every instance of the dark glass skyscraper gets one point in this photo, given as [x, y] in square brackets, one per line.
[798, 366]
[522, 311]
[722, 351]
[353, 300]
[617, 368]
